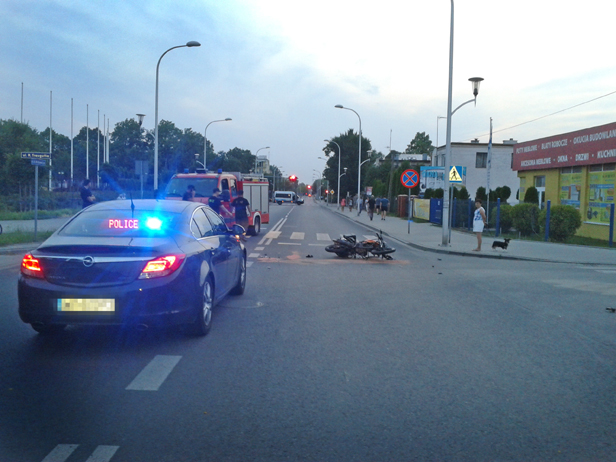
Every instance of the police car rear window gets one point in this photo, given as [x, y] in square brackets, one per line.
[122, 223]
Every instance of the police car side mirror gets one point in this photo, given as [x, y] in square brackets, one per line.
[238, 230]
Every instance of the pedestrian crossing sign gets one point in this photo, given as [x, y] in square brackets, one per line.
[454, 175]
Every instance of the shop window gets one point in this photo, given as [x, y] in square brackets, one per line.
[539, 182]
[595, 168]
[481, 160]
[608, 167]
[576, 169]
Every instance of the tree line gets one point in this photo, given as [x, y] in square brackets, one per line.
[128, 142]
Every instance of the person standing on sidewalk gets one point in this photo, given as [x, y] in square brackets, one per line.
[479, 221]
[87, 198]
[343, 203]
[384, 207]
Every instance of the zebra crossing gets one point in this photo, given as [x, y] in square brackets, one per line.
[62, 452]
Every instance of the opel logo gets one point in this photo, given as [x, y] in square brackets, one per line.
[88, 261]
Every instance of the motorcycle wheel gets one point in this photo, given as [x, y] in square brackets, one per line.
[341, 251]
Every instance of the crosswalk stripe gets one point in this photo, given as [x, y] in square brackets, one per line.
[272, 235]
[60, 453]
[297, 235]
[154, 374]
[103, 454]
[323, 237]
[254, 255]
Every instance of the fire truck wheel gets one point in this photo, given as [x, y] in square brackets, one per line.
[256, 228]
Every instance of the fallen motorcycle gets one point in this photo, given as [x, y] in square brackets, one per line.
[347, 246]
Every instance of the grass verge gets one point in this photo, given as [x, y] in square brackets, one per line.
[23, 237]
[60, 213]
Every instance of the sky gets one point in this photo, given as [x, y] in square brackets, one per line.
[278, 68]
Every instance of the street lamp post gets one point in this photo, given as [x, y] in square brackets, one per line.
[437, 119]
[266, 147]
[339, 176]
[189, 44]
[205, 142]
[359, 162]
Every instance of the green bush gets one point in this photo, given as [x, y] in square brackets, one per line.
[531, 196]
[438, 193]
[463, 194]
[506, 218]
[429, 193]
[481, 194]
[525, 218]
[564, 222]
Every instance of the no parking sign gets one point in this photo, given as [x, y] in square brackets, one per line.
[409, 178]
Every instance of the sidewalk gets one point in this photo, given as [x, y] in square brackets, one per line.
[9, 226]
[426, 236]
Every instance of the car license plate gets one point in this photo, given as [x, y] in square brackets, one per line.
[86, 305]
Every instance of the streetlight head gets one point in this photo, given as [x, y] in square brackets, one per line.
[475, 81]
[192, 43]
[227, 119]
[141, 116]
[339, 106]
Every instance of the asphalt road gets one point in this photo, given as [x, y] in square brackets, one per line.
[427, 357]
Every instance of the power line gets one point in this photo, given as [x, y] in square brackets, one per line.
[549, 115]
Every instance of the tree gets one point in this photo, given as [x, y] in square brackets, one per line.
[481, 194]
[531, 196]
[421, 144]
[15, 138]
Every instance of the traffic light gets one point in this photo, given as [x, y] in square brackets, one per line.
[293, 178]
[309, 187]
[327, 191]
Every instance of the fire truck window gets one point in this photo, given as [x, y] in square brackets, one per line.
[224, 184]
[232, 188]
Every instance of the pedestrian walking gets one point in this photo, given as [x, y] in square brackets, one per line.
[377, 205]
[242, 209]
[87, 198]
[371, 204]
[343, 204]
[479, 221]
[384, 207]
[215, 203]
[361, 206]
[350, 204]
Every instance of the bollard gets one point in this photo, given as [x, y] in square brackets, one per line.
[547, 221]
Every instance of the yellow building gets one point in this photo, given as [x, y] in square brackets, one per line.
[577, 169]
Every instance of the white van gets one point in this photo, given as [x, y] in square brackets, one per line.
[285, 196]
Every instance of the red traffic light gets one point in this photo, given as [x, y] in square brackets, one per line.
[309, 187]
[293, 178]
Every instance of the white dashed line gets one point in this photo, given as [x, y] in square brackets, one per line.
[289, 243]
[298, 236]
[259, 248]
[249, 264]
[254, 255]
[60, 453]
[154, 374]
[323, 237]
[103, 454]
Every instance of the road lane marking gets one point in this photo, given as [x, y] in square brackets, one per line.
[297, 235]
[289, 243]
[319, 245]
[254, 255]
[259, 248]
[60, 453]
[103, 453]
[323, 237]
[154, 374]
[273, 235]
[249, 264]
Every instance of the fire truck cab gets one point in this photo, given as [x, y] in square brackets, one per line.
[256, 190]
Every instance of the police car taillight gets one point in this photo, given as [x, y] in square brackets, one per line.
[161, 266]
[30, 266]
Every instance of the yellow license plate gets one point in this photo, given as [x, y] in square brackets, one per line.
[86, 305]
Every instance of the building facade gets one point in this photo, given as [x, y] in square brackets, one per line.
[474, 156]
[575, 168]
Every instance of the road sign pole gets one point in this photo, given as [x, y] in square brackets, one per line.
[408, 208]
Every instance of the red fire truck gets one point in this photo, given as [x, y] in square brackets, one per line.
[256, 190]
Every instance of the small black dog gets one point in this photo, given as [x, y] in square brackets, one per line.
[502, 245]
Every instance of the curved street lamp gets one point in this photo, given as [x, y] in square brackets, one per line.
[188, 44]
[205, 136]
[345, 169]
[359, 162]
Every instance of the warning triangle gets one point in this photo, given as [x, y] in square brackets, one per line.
[454, 175]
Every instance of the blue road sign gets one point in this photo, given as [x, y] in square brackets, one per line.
[35, 155]
[39, 162]
[409, 178]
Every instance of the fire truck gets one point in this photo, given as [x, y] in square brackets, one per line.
[256, 190]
